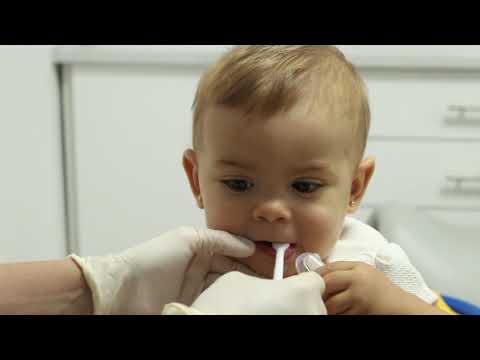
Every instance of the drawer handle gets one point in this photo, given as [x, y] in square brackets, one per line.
[462, 117]
[460, 180]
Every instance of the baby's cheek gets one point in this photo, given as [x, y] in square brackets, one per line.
[322, 246]
[321, 239]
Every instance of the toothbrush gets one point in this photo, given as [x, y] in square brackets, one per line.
[279, 260]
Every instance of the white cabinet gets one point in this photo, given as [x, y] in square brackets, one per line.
[425, 135]
[129, 127]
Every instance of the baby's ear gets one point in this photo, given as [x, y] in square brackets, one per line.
[360, 182]
[190, 164]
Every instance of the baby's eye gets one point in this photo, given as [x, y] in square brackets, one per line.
[238, 185]
[306, 186]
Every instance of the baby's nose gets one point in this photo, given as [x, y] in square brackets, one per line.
[272, 211]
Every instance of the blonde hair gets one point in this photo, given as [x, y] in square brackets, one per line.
[265, 80]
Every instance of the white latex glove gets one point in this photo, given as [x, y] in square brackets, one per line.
[239, 294]
[175, 266]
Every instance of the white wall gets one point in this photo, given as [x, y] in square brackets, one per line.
[31, 190]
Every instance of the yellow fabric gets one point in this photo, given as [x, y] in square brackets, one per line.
[442, 305]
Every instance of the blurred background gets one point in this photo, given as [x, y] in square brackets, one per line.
[91, 140]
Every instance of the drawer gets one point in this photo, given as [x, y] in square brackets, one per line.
[451, 216]
[424, 103]
[465, 219]
[428, 174]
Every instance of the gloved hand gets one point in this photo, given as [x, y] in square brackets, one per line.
[175, 266]
[239, 294]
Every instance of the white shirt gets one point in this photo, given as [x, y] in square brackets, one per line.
[361, 242]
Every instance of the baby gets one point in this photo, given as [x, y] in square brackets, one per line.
[279, 134]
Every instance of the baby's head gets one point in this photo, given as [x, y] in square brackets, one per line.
[279, 134]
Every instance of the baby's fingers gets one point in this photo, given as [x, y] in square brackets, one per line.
[336, 282]
[336, 266]
[353, 310]
[339, 303]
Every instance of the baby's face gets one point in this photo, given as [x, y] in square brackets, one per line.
[285, 179]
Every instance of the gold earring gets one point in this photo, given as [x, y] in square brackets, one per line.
[351, 203]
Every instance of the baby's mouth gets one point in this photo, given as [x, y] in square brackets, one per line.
[265, 247]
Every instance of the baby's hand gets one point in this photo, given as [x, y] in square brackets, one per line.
[355, 288]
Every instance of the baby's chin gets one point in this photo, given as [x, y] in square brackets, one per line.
[263, 265]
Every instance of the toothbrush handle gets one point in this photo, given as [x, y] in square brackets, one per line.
[278, 270]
